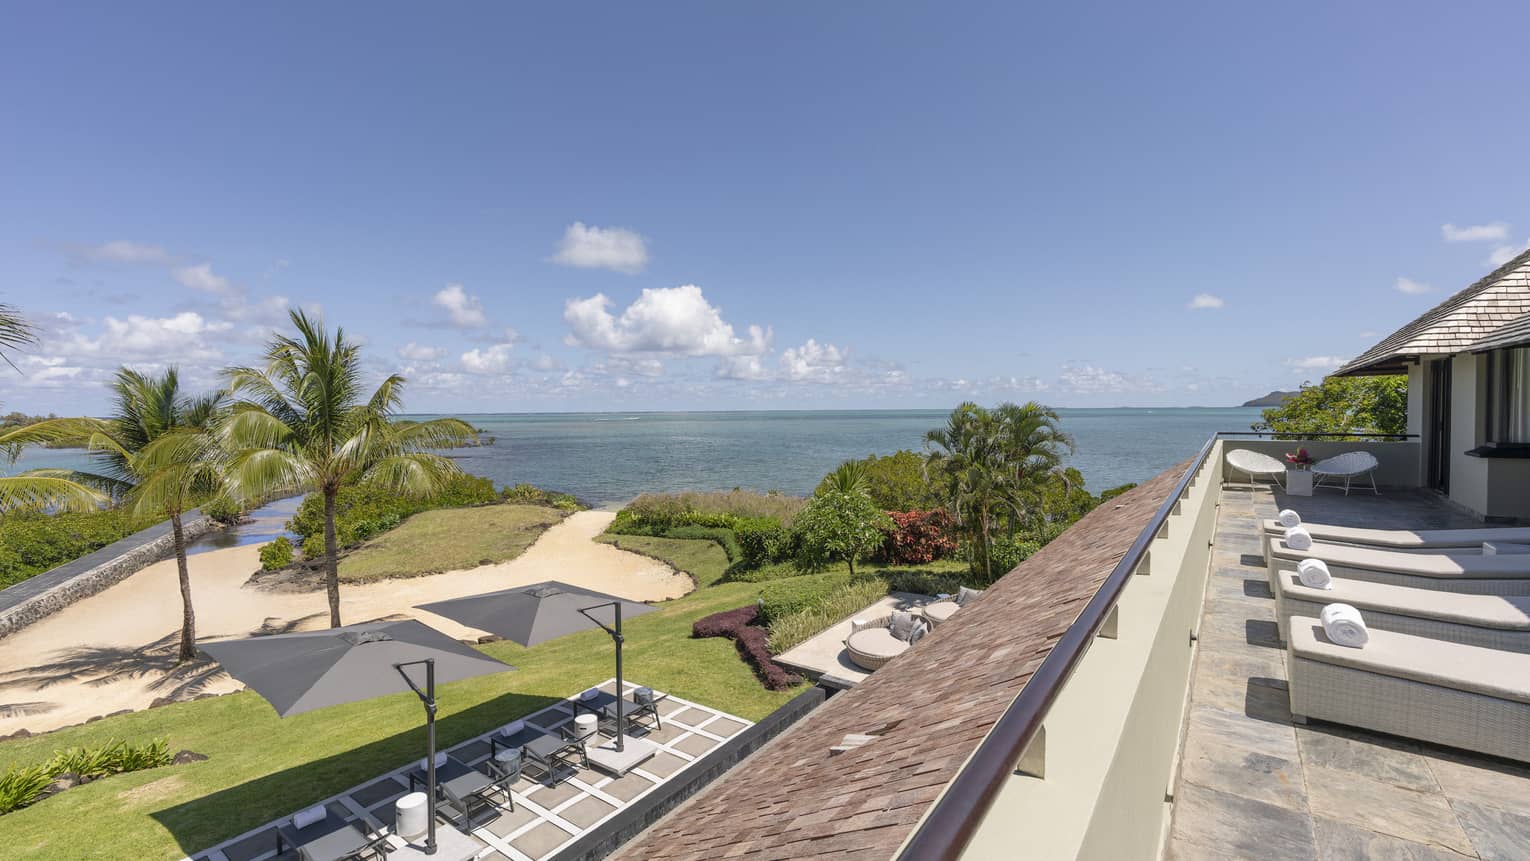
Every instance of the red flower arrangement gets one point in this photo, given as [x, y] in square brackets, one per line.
[1299, 458]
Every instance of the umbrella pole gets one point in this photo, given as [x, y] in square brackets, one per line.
[428, 697]
[620, 726]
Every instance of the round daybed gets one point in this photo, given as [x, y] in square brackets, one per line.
[873, 644]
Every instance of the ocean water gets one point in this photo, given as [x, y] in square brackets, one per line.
[608, 458]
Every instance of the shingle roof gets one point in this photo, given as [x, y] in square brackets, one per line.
[792, 800]
[1515, 334]
[1456, 324]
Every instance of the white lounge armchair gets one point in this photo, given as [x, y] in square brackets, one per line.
[1347, 466]
[1256, 465]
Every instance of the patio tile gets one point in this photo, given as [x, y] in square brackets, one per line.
[541, 840]
[1377, 806]
[668, 707]
[1465, 777]
[252, 847]
[628, 787]
[376, 793]
[663, 764]
[690, 716]
[669, 733]
[1394, 762]
[1258, 776]
[586, 811]
[472, 751]
[1337, 841]
[1494, 832]
[725, 727]
[1241, 731]
[509, 821]
[549, 798]
[1222, 825]
[695, 745]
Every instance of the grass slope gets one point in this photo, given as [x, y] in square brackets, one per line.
[705, 561]
[449, 539]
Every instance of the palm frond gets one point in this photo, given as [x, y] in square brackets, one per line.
[46, 490]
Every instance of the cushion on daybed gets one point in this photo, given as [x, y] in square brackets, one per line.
[877, 643]
[1482, 611]
[1406, 538]
[1504, 675]
[940, 611]
[1444, 564]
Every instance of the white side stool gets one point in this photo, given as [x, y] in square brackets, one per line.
[585, 726]
[410, 816]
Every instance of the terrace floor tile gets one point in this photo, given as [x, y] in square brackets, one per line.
[539, 842]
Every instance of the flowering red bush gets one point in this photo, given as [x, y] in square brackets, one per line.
[920, 537]
[750, 640]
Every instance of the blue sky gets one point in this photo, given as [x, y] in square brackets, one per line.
[783, 206]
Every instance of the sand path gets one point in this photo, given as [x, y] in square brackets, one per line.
[115, 650]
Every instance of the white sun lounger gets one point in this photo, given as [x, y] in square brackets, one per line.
[1472, 573]
[1401, 539]
[1490, 621]
[1446, 693]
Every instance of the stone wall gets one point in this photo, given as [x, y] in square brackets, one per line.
[47, 593]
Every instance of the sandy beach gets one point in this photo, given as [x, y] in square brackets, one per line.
[115, 651]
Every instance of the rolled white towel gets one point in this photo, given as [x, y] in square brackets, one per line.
[312, 816]
[1289, 518]
[1314, 574]
[1343, 625]
[1298, 538]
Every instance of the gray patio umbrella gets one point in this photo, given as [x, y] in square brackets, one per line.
[544, 611]
[309, 670]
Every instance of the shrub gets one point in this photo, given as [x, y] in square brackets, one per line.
[839, 526]
[1116, 491]
[33, 542]
[929, 582]
[530, 494]
[723, 537]
[224, 511]
[1006, 553]
[751, 641]
[763, 540]
[364, 511]
[782, 598]
[22, 785]
[276, 555]
[653, 513]
[919, 537]
[896, 482]
[798, 627]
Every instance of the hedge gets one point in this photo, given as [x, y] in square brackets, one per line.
[751, 640]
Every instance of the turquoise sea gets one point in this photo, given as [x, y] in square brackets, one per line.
[607, 458]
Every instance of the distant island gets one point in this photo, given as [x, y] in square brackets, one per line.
[1273, 399]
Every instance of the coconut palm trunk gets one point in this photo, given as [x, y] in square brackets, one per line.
[188, 614]
[331, 558]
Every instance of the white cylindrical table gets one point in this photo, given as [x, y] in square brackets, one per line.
[585, 725]
[410, 815]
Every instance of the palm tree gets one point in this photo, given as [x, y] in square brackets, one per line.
[157, 453]
[995, 462]
[848, 477]
[300, 424]
[15, 332]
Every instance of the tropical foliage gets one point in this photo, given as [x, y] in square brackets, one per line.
[302, 422]
[996, 467]
[897, 482]
[15, 332]
[24, 785]
[840, 525]
[364, 511]
[1345, 405]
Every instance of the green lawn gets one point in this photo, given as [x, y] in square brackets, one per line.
[703, 560]
[449, 539]
[262, 767]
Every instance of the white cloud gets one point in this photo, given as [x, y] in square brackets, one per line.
[201, 277]
[1475, 232]
[602, 248]
[544, 362]
[420, 352]
[1411, 287]
[463, 309]
[1504, 253]
[124, 251]
[1205, 300]
[742, 368]
[487, 360]
[813, 362]
[1316, 363]
[1087, 379]
[661, 320]
[1369, 333]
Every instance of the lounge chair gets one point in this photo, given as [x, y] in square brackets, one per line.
[641, 707]
[1256, 465]
[942, 610]
[1470, 573]
[462, 789]
[1445, 693]
[557, 755]
[323, 834]
[873, 643]
[1347, 466]
[1402, 539]
[1490, 621]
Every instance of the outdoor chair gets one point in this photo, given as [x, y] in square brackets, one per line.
[1461, 572]
[942, 610]
[1347, 466]
[1491, 621]
[1401, 539]
[873, 643]
[640, 708]
[322, 833]
[557, 755]
[1256, 465]
[462, 788]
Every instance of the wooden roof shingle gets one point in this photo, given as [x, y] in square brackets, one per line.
[791, 800]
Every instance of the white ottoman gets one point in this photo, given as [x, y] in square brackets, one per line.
[410, 816]
[585, 726]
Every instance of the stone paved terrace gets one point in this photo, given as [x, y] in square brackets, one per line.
[1253, 785]
[546, 819]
